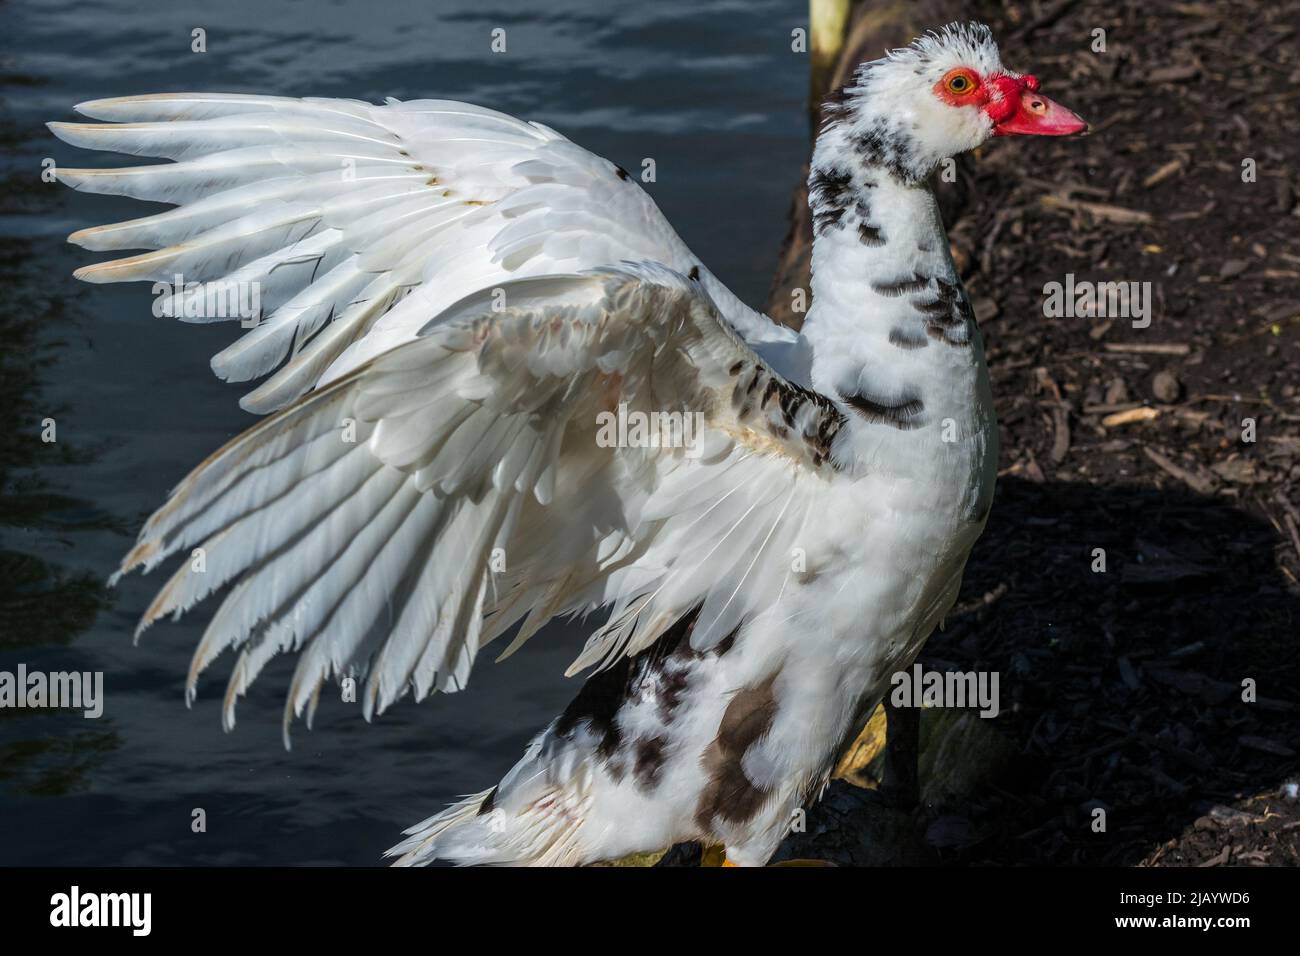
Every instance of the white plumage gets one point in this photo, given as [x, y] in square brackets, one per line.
[451, 299]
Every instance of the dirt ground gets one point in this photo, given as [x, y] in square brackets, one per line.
[1174, 448]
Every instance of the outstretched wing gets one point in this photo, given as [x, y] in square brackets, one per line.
[490, 471]
[347, 225]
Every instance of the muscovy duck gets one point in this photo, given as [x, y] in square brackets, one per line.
[453, 302]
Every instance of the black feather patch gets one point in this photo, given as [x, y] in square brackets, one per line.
[663, 669]
[830, 193]
[934, 308]
[949, 316]
[889, 148]
[904, 286]
[904, 415]
[868, 232]
[730, 794]
[907, 340]
[650, 755]
[870, 235]
[836, 108]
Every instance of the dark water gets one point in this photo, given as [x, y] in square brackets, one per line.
[711, 91]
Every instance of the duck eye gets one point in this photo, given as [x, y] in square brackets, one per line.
[960, 83]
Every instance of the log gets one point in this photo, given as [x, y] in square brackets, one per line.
[828, 29]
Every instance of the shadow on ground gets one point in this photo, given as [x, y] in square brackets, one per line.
[1122, 690]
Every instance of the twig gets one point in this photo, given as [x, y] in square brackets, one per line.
[1170, 168]
[1149, 348]
[1289, 519]
[1141, 414]
[1099, 210]
[1195, 482]
[1238, 399]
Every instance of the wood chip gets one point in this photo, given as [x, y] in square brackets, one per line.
[1143, 413]
[1061, 438]
[1218, 860]
[1109, 407]
[1164, 172]
[1264, 745]
[1149, 348]
[1098, 210]
[1032, 470]
[1239, 471]
[1194, 481]
[1176, 73]
[1289, 520]
[1049, 15]
[1194, 9]
[1231, 816]
[1165, 386]
[986, 310]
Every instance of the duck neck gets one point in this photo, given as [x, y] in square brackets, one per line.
[889, 322]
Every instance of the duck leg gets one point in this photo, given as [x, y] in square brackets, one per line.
[901, 784]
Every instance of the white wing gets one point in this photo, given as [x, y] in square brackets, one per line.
[362, 524]
[355, 223]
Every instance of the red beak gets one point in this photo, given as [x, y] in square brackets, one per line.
[1036, 115]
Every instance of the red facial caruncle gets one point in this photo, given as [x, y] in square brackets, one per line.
[1013, 103]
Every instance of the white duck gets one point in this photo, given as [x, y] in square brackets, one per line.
[450, 299]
